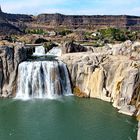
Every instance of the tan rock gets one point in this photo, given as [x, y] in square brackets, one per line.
[110, 78]
[10, 57]
[95, 83]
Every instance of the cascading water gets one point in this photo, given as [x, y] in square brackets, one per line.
[39, 51]
[42, 79]
[56, 51]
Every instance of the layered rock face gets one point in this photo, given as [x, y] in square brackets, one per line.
[17, 23]
[7, 28]
[111, 73]
[71, 47]
[111, 78]
[95, 21]
[10, 57]
[127, 48]
[13, 23]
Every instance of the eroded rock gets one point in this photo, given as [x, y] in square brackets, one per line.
[110, 78]
[10, 57]
[71, 47]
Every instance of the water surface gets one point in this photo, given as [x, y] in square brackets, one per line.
[69, 118]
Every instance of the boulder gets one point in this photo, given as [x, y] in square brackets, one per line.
[71, 47]
[127, 43]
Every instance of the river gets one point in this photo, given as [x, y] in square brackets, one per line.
[67, 118]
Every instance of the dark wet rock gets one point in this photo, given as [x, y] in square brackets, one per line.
[71, 47]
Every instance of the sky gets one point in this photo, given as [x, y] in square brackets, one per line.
[72, 7]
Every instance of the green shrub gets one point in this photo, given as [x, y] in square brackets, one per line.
[114, 34]
[64, 32]
[35, 31]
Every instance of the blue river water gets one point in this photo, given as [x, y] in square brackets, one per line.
[67, 118]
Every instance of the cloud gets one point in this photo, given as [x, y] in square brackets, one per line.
[136, 10]
[118, 1]
[28, 5]
[84, 7]
[98, 11]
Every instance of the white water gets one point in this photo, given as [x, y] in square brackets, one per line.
[39, 51]
[56, 51]
[43, 79]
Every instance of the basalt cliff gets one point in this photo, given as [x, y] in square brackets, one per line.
[110, 74]
[10, 58]
[18, 23]
[91, 22]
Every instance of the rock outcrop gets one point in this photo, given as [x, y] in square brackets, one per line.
[6, 28]
[13, 23]
[71, 47]
[127, 48]
[17, 23]
[10, 57]
[93, 22]
[111, 78]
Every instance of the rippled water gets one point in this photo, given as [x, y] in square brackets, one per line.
[67, 118]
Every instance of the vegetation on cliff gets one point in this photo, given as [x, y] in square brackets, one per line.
[110, 35]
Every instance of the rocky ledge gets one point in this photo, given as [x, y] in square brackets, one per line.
[111, 73]
[10, 58]
[110, 78]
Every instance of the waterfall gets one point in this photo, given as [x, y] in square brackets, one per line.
[42, 79]
[39, 51]
[56, 51]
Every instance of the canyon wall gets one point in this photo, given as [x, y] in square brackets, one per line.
[18, 23]
[13, 23]
[7, 28]
[111, 78]
[10, 58]
[92, 22]
[107, 75]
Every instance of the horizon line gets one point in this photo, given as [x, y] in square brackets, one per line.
[49, 13]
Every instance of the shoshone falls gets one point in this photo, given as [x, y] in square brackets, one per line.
[31, 115]
[42, 79]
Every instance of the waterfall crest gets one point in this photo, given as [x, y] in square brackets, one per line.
[43, 79]
[56, 51]
[39, 51]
